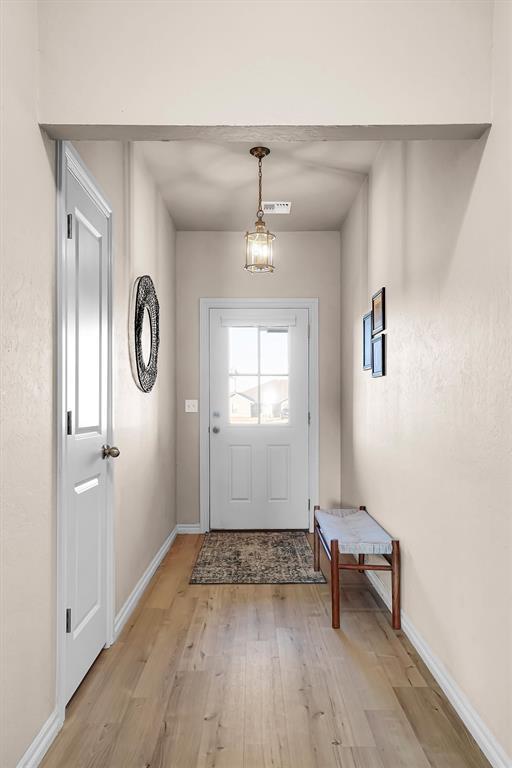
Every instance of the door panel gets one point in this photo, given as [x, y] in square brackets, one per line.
[258, 418]
[241, 472]
[88, 543]
[278, 472]
[87, 332]
[88, 255]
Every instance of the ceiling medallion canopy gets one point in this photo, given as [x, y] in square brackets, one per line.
[259, 243]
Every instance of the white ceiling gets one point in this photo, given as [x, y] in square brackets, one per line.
[213, 186]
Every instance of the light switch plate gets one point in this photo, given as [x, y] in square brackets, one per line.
[191, 406]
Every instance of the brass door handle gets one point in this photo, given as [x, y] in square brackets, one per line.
[110, 452]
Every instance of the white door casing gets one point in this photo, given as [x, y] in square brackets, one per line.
[259, 418]
[85, 535]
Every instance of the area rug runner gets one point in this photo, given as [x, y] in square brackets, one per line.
[255, 557]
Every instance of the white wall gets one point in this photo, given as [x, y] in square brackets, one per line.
[209, 264]
[144, 423]
[280, 63]
[428, 447]
[27, 461]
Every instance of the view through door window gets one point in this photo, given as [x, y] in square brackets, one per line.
[258, 375]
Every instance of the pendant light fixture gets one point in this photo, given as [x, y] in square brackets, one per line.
[259, 244]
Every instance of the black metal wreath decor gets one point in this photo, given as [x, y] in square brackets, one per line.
[146, 302]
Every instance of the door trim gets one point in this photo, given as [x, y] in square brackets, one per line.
[68, 159]
[204, 393]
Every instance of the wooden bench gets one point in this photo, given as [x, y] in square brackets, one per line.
[355, 532]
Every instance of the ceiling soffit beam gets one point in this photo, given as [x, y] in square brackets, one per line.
[266, 133]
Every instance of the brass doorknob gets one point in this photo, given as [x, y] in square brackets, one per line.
[110, 451]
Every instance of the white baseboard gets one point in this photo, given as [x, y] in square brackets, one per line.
[126, 610]
[487, 742]
[39, 747]
[189, 527]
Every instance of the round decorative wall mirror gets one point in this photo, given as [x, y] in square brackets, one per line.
[145, 337]
[146, 332]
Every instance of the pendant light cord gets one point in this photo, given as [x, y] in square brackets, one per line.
[260, 182]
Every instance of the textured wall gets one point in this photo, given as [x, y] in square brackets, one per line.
[321, 63]
[428, 447]
[209, 264]
[27, 462]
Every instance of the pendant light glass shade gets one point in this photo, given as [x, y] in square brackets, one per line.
[259, 249]
[259, 256]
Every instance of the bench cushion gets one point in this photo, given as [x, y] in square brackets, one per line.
[356, 531]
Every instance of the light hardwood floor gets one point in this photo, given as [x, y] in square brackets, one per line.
[254, 677]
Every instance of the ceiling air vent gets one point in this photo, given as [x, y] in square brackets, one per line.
[276, 207]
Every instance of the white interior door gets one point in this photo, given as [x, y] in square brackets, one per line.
[258, 418]
[87, 351]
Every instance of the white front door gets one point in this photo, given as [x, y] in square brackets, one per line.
[258, 418]
[86, 333]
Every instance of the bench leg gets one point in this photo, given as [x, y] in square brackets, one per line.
[316, 544]
[395, 585]
[335, 584]
[361, 557]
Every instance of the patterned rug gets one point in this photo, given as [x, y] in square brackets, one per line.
[261, 557]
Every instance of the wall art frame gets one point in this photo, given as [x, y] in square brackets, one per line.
[379, 356]
[379, 311]
[367, 341]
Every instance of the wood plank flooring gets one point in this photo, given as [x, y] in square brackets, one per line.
[254, 677]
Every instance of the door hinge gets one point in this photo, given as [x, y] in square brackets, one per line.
[309, 331]
[309, 418]
[69, 422]
[70, 226]
[68, 620]
[309, 505]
